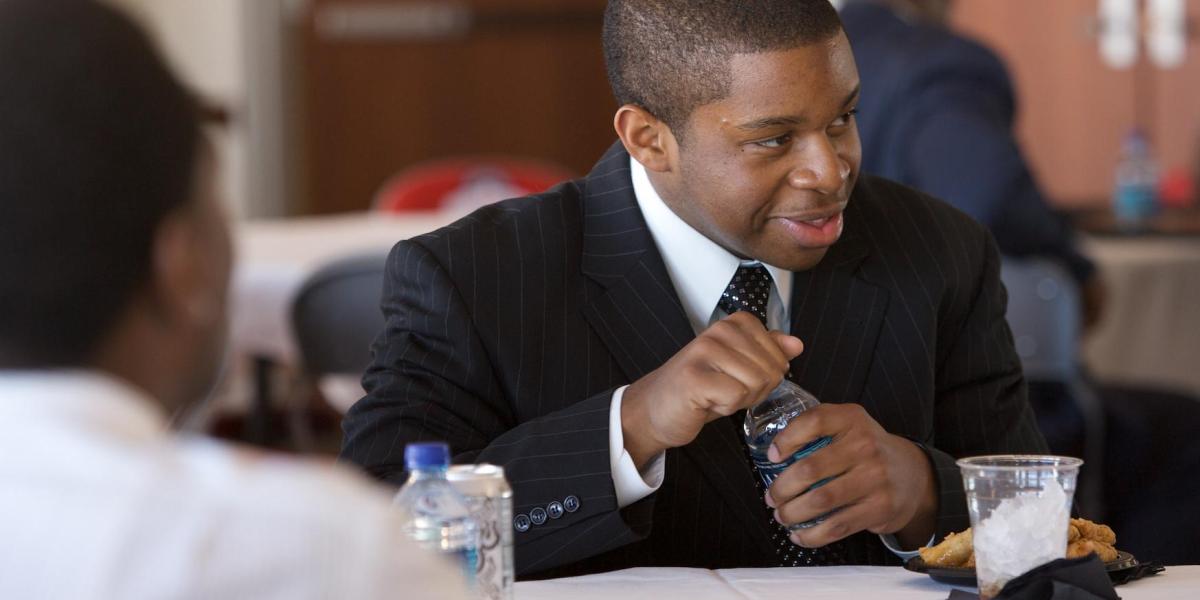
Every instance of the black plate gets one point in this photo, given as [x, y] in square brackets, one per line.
[966, 575]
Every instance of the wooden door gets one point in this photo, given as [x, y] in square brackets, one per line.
[1074, 110]
[388, 83]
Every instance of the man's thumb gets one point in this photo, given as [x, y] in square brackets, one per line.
[791, 345]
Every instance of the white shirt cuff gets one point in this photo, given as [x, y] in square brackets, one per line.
[631, 485]
[891, 543]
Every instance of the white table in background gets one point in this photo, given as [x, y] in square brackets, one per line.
[273, 258]
[1150, 333]
[811, 583]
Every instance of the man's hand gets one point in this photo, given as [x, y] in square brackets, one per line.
[730, 366]
[884, 483]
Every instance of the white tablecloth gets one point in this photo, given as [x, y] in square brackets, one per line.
[813, 583]
[1150, 334]
[273, 259]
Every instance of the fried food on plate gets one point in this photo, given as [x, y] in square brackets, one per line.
[1085, 547]
[1095, 531]
[1083, 537]
[1072, 533]
[952, 552]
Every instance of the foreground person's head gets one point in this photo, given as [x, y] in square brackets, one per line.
[114, 253]
[742, 113]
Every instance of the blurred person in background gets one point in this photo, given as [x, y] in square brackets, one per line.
[937, 114]
[114, 264]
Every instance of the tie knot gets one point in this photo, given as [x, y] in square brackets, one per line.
[749, 290]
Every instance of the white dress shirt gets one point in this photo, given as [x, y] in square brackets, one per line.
[99, 500]
[700, 269]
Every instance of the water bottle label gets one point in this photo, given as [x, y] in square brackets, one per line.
[768, 470]
[468, 559]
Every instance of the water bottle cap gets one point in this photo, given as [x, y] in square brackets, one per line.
[426, 454]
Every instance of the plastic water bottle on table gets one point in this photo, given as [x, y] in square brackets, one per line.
[438, 517]
[1135, 193]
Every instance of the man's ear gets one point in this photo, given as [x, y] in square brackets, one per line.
[178, 279]
[647, 139]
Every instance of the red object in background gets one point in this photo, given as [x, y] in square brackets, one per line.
[466, 183]
[1177, 189]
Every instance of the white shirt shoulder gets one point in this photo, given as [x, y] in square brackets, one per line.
[101, 501]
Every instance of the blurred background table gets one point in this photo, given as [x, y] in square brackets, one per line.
[273, 260]
[274, 257]
[1150, 332]
[810, 583]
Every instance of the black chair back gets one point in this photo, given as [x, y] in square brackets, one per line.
[336, 315]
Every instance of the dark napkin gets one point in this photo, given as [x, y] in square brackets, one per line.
[1062, 579]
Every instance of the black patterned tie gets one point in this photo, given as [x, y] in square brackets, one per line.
[750, 290]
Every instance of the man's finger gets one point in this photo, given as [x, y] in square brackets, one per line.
[832, 420]
[821, 465]
[791, 345]
[847, 521]
[752, 341]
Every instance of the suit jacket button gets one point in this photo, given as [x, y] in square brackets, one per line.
[571, 504]
[537, 515]
[555, 509]
[521, 523]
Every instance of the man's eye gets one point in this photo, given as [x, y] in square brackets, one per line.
[845, 119]
[776, 142]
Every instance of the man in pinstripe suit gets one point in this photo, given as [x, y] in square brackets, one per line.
[581, 337]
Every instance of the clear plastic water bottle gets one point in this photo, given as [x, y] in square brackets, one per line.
[438, 518]
[766, 419]
[1135, 190]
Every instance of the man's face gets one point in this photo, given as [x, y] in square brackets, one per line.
[214, 257]
[767, 172]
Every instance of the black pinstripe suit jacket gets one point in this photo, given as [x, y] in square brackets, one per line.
[508, 331]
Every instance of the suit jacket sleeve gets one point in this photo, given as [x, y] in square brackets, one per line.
[980, 405]
[431, 379]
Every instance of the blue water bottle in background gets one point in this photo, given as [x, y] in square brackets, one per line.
[766, 419]
[438, 518]
[1135, 193]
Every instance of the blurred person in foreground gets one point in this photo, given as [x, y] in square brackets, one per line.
[114, 264]
[601, 340]
[937, 114]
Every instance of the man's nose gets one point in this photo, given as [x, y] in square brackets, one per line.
[819, 167]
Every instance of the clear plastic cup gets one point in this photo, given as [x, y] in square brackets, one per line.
[1020, 506]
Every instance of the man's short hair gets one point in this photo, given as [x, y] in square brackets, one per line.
[672, 56]
[98, 144]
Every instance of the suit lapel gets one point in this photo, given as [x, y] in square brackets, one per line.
[637, 314]
[634, 308]
[838, 315]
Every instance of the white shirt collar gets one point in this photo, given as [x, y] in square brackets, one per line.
[78, 399]
[699, 267]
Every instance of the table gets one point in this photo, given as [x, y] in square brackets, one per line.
[273, 258]
[811, 583]
[1150, 333]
